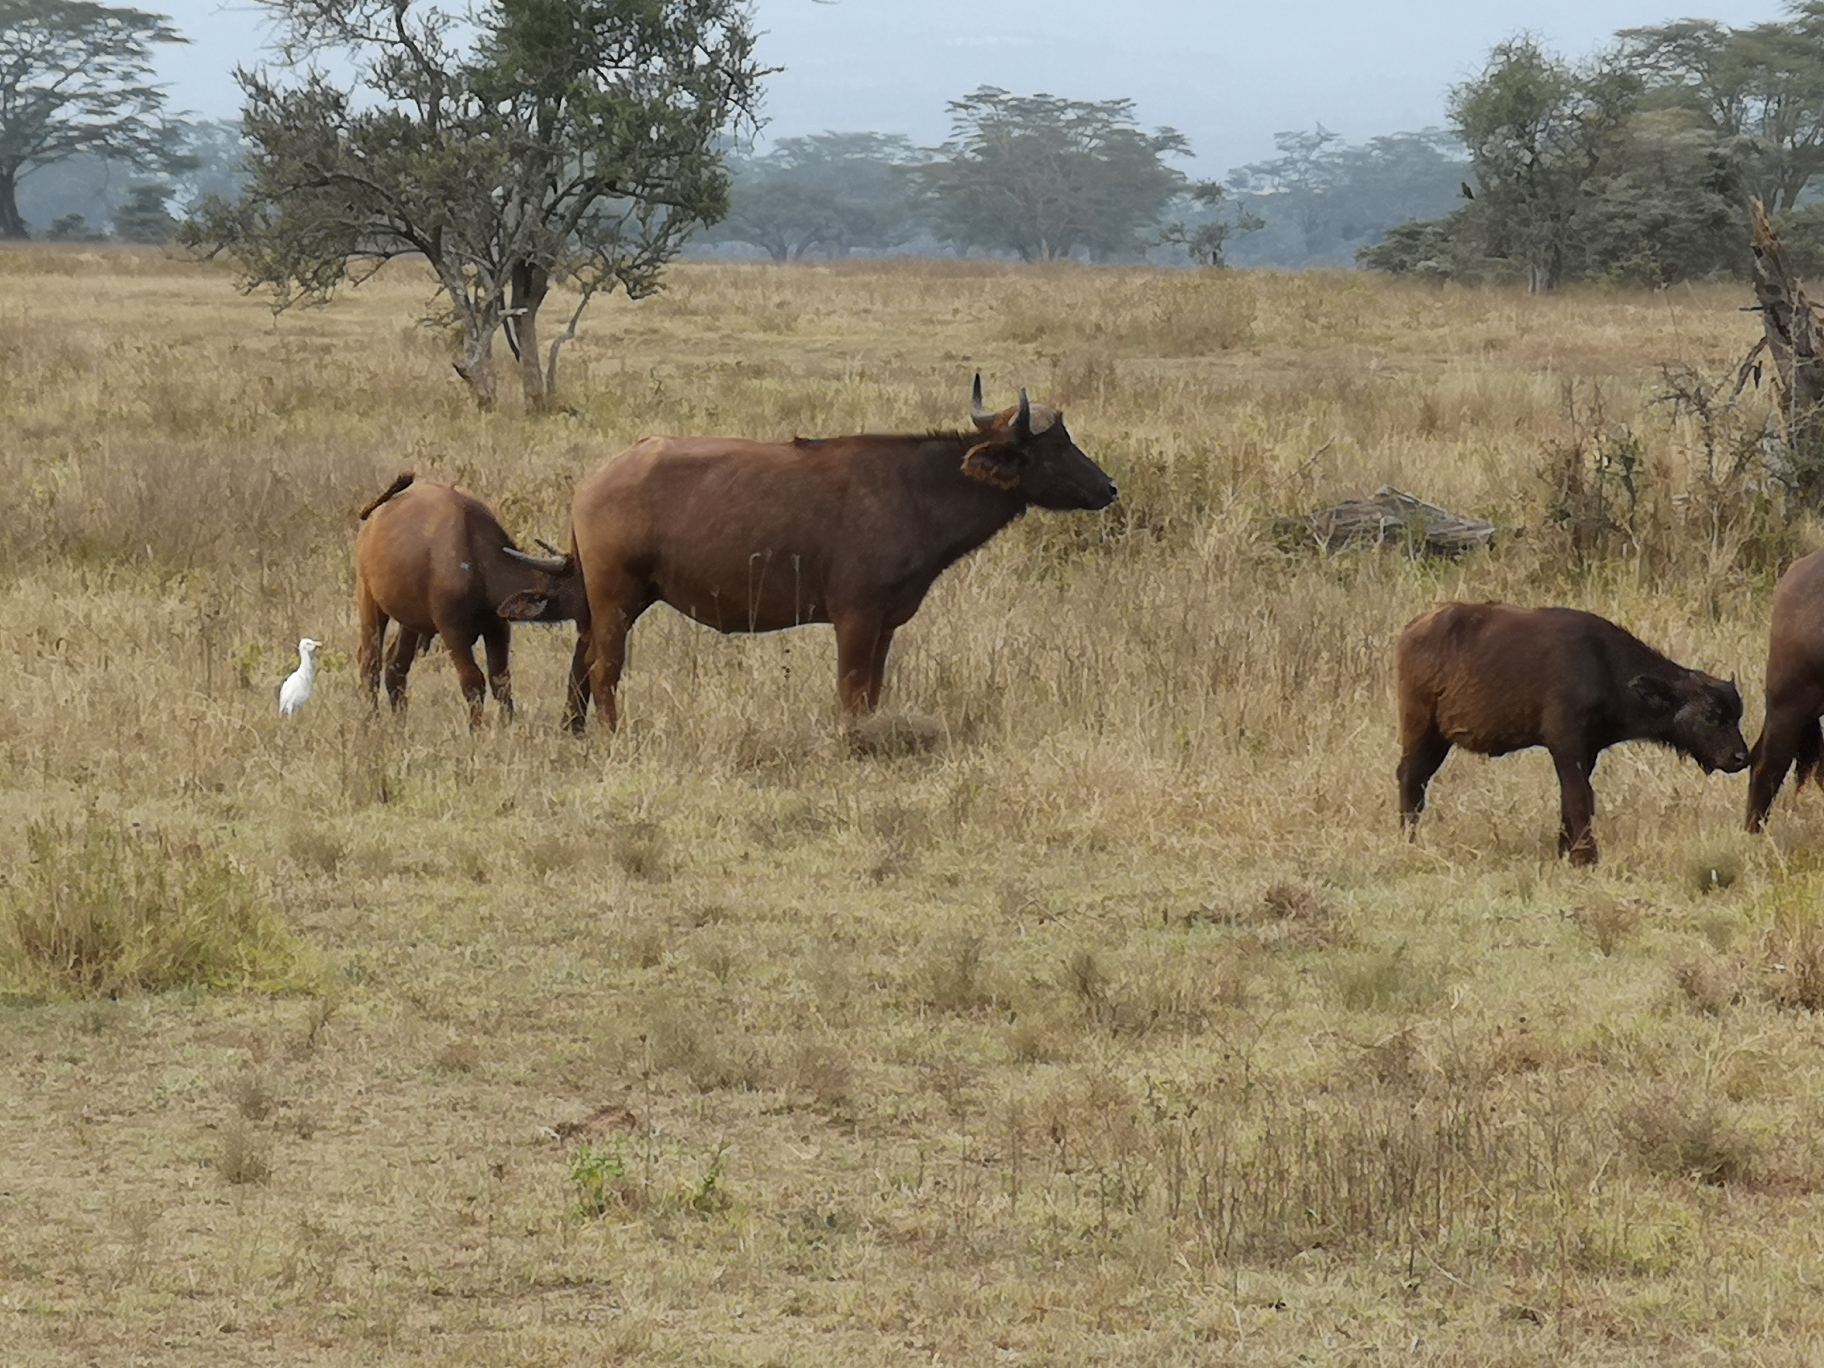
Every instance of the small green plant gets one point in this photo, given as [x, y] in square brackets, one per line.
[99, 907]
[599, 1175]
[710, 1198]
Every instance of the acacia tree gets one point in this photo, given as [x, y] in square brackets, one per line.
[1759, 89]
[1538, 132]
[75, 78]
[567, 141]
[1042, 176]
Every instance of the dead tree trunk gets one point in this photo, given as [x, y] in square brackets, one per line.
[1790, 335]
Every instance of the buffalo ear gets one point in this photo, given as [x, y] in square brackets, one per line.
[1658, 694]
[528, 605]
[995, 463]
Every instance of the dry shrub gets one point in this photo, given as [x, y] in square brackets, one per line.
[242, 1156]
[822, 1072]
[687, 1040]
[462, 1056]
[1795, 965]
[641, 849]
[1158, 992]
[99, 907]
[1792, 942]
[1394, 1061]
[956, 979]
[1709, 985]
[892, 735]
[252, 1096]
[643, 945]
[1386, 980]
[1300, 916]
[1038, 1036]
[553, 854]
[903, 832]
[316, 849]
[1610, 923]
[1676, 1135]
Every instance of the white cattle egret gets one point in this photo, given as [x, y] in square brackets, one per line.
[296, 690]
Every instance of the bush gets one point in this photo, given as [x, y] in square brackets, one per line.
[99, 907]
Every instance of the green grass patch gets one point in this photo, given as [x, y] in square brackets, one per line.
[98, 908]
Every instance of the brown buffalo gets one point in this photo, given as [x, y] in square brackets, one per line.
[434, 559]
[1795, 688]
[1492, 679]
[754, 536]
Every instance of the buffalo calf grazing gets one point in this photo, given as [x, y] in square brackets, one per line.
[435, 560]
[853, 531]
[1493, 678]
[1795, 688]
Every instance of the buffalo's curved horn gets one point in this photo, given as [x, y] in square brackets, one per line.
[983, 419]
[1022, 421]
[555, 565]
[553, 550]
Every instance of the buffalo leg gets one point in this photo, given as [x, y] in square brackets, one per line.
[468, 673]
[399, 658]
[498, 641]
[1790, 733]
[369, 651]
[576, 698]
[877, 667]
[1577, 808]
[1419, 760]
[607, 655]
[861, 657]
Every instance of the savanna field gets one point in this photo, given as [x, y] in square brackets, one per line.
[1102, 1015]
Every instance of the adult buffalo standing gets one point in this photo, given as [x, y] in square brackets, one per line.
[434, 559]
[1493, 678]
[754, 537]
[1795, 687]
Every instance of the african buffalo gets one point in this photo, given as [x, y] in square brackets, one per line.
[1795, 688]
[1493, 678]
[754, 537]
[434, 559]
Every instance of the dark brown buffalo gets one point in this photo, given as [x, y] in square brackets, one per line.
[1492, 678]
[754, 537]
[434, 559]
[1795, 688]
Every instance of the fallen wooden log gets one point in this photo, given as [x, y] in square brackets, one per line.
[1392, 515]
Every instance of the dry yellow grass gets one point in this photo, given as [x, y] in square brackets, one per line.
[1115, 1024]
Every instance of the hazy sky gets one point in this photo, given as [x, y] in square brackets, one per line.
[1227, 75]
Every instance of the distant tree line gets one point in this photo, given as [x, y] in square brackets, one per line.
[1636, 165]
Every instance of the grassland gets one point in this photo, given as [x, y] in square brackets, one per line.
[1115, 1024]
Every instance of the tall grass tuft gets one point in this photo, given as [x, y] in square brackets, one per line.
[98, 907]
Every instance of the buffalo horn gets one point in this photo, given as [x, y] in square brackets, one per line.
[556, 565]
[1022, 421]
[552, 549]
[983, 419]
